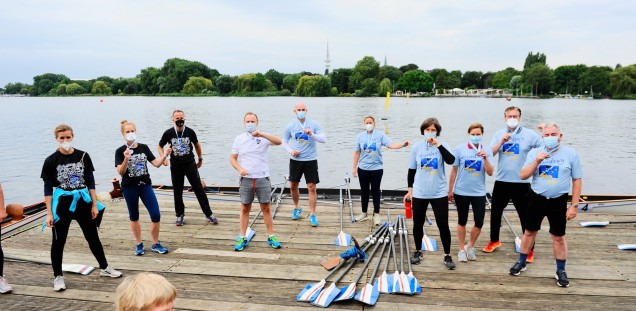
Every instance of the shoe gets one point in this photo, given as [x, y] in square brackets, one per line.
[296, 213]
[110, 272]
[462, 256]
[530, 256]
[377, 220]
[362, 217]
[213, 220]
[241, 243]
[416, 257]
[140, 249]
[491, 247]
[273, 242]
[313, 220]
[354, 252]
[179, 221]
[562, 278]
[58, 284]
[517, 268]
[4, 286]
[471, 254]
[158, 248]
[448, 262]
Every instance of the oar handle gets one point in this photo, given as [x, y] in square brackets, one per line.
[280, 195]
[401, 245]
[406, 238]
[341, 203]
[353, 262]
[377, 264]
[369, 257]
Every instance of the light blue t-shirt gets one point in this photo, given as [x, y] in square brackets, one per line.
[553, 176]
[512, 153]
[471, 170]
[370, 147]
[300, 141]
[430, 177]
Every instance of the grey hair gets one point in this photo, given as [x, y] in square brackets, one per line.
[552, 124]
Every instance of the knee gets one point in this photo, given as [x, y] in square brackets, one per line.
[293, 185]
[265, 208]
[311, 187]
[558, 239]
[529, 234]
[480, 224]
[245, 209]
[134, 218]
[155, 217]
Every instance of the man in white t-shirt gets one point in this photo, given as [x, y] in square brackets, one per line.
[249, 158]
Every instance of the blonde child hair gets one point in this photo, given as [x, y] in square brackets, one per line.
[144, 291]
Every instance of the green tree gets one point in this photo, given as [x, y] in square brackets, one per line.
[223, 84]
[623, 81]
[408, 67]
[487, 79]
[365, 68]
[253, 82]
[501, 79]
[148, 80]
[455, 79]
[340, 79]
[595, 79]
[540, 77]
[101, 88]
[196, 85]
[369, 88]
[44, 83]
[515, 83]
[175, 72]
[313, 86]
[60, 90]
[385, 86]
[16, 88]
[391, 73]
[291, 81]
[472, 80]
[133, 86]
[566, 79]
[275, 77]
[75, 89]
[532, 59]
[441, 78]
[415, 81]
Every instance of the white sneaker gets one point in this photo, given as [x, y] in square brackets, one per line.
[110, 272]
[377, 220]
[471, 254]
[58, 284]
[461, 256]
[4, 286]
[362, 217]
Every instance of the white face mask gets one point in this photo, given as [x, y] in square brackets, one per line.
[131, 136]
[512, 123]
[369, 127]
[250, 127]
[66, 145]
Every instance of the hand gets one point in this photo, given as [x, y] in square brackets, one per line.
[200, 162]
[49, 221]
[256, 134]
[433, 141]
[127, 154]
[506, 137]
[307, 131]
[406, 144]
[571, 213]
[354, 173]
[94, 211]
[165, 162]
[243, 172]
[168, 151]
[482, 154]
[295, 153]
[409, 196]
[541, 156]
[3, 213]
[451, 197]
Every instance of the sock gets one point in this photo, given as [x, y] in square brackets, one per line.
[523, 258]
[560, 263]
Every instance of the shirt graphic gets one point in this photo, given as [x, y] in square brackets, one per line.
[472, 165]
[371, 148]
[429, 164]
[549, 171]
[181, 146]
[137, 165]
[511, 148]
[302, 137]
[71, 176]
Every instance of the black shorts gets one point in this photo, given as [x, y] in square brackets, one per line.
[308, 168]
[555, 209]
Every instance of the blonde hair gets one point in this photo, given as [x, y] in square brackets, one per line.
[476, 125]
[368, 117]
[124, 123]
[62, 128]
[144, 291]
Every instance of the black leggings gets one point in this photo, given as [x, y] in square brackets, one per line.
[440, 209]
[83, 217]
[373, 179]
[189, 170]
[502, 193]
[464, 202]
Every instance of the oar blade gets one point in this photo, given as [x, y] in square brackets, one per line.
[518, 245]
[416, 288]
[429, 244]
[405, 286]
[343, 239]
[346, 293]
[326, 296]
[368, 295]
[249, 233]
[80, 269]
[310, 292]
[385, 283]
[594, 223]
[396, 282]
[627, 247]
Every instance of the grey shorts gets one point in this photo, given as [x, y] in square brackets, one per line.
[259, 187]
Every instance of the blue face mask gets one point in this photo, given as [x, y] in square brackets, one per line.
[301, 115]
[475, 139]
[430, 134]
[250, 127]
[551, 141]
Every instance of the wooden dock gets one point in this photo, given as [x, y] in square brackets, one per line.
[209, 275]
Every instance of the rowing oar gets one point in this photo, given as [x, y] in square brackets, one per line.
[280, 196]
[627, 247]
[249, 232]
[416, 288]
[503, 214]
[75, 268]
[331, 293]
[604, 223]
[385, 281]
[428, 244]
[334, 261]
[369, 293]
[404, 282]
[396, 274]
[311, 291]
[348, 182]
[343, 239]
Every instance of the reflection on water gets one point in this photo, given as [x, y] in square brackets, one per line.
[602, 131]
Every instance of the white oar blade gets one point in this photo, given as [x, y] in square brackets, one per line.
[517, 244]
[346, 293]
[416, 288]
[81, 269]
[405, 286]
[396, 282]
[368, 295]
[249, 233]
[429, 244]
[627, 247]
[326, 296]
[594, 223]
[385, 283]
[310, 292]
[343, 239]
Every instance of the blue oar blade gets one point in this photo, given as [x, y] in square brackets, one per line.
[405, 286]
[517, 244]
[343, 239]
[429, 244]
[310, 292]
[416, 288]
[249, 234]
[326, 296]
[396, 282]
[346, 293]
[368, 295]
[385, 283]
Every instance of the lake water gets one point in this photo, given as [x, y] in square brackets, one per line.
[603, 132]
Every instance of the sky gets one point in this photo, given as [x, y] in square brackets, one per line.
[118, 38]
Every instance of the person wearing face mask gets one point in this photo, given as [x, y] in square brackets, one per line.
[426, 181]
[131, 161]
[367, 166]
[467, 187]
[512, 145]
[249, 158]
[70, 172]
[183, 141]
[552, 168]
[303, 134]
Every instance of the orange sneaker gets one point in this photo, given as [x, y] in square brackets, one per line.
[491, 247]
[530, 256]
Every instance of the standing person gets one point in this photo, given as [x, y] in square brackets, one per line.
[427, 184]
[512, 144]
[4, 285]
[145, 292]
[70, 172]
[251, 147]
[367, 165]
[303, 133]
[552, 168]
[183, 140]
[131, 161]
[467, 186]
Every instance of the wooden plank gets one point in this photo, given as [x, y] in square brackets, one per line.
[226, 253]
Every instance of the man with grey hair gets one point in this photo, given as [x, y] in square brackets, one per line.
[553, 168]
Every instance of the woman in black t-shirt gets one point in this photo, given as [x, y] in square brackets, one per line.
[131, 161]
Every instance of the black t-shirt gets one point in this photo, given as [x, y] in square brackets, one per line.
[66, 171]
[182, 144]
[137, 168]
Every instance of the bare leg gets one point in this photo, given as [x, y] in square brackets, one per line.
[267, 218]
[527, 241]
[154, 232]
[313, 197]
[461, 236]
[136, 230]
[244, 218]
[293, 188]
[474, 234]
[560, 247]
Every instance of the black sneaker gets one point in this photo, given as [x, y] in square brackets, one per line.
[448, 262]
[517, 268]
[416, 258]
[562, 278]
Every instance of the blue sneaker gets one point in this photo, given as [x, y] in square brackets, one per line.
[296, 213]
[314, 220]
[213, 220]
[140, 249]
[241, 243]
[273, 241]
[158, 248]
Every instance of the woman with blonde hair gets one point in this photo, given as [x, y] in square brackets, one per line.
[145, 292]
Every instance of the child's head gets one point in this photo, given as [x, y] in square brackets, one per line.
[145, 292]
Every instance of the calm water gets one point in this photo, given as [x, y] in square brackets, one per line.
[603, 131]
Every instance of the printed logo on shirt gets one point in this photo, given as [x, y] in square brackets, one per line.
[137, 165]
[181, 146]
[472, 165]
[429, 164]
[509, 148]
[370, 149]
[71, 176]
[302, 138]
[549, 172]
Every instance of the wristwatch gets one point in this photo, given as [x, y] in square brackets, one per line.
[574, 205]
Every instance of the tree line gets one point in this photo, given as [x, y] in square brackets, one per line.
[180, 77]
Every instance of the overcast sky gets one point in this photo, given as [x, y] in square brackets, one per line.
[118, 38]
